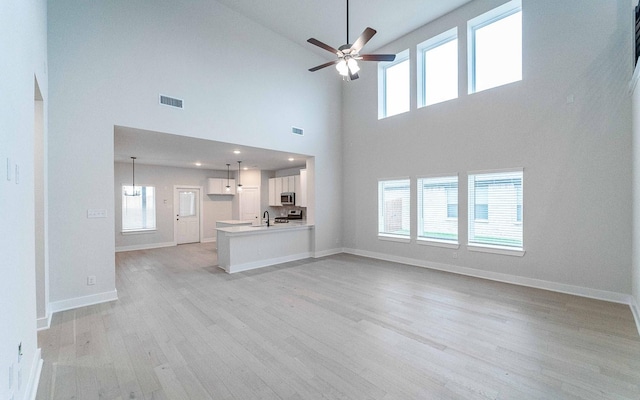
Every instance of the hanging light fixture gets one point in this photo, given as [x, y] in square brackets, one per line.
[239, 184]
[228, 188]
[134, 191]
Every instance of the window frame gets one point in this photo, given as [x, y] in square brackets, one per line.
[403, 56]
[479, 22]
[122, 211]
[421, 50]
[487, 247]
[420, 212]
[381, 211]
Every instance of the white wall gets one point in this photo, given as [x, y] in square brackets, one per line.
[23, 39]
[576, 156]
[635, 278]
[214, 207]
[241, 84]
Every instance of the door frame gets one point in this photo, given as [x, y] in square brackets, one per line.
[257, 188]
[176, 210]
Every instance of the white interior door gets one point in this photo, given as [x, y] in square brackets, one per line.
[250, 204]
[187, 215]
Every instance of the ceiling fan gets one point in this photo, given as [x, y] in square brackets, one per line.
[349, 54]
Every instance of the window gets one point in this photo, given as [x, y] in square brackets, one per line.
[139, 212]
[495, 47]
[394, 86]
[394, 208]
[438, 69]
[438, 209]
[495, 210]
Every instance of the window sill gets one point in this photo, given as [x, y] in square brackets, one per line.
[395, 238]
[138, 232]
[437, 243]
[506, 251]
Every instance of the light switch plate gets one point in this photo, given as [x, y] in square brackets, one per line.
[96, 213]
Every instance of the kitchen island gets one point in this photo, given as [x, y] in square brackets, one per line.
[246, 247]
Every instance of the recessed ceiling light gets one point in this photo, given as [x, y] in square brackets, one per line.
[236, 152]
[245, 168]
[198, 164]
[290, 158]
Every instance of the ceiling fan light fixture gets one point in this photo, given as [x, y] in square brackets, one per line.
[342, 68]
[353, 66]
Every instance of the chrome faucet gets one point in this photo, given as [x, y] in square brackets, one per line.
[267, 214]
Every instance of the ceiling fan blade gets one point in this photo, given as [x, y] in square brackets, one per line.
[362, 40]
[323, 65]
[378, 57]
[324, 46]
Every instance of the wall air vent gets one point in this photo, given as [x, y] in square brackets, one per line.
[171, 101]
[297, 131]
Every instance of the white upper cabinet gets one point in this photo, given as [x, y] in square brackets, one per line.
[219, 186]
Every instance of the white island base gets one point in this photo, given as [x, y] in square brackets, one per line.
[242, 248]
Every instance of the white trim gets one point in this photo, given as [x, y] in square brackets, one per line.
[266, 263]
[598, 294]
[326, 253]
[83, 301]
[176, 206]
[635, 310]
[34, 377]
[394, 238]
[208, 240]
[44, 322]
[495, 250]
[138, 232]
[421, 50]
[147, 246]
[505, 10]
[438, 243]
[404, 55]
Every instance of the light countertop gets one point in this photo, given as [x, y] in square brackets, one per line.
[249, 229]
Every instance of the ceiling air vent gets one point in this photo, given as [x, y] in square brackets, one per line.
[171, 101]
[297, 131]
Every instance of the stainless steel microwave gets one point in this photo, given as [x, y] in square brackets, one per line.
[288, 199]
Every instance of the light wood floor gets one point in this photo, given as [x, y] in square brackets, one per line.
[341, 327]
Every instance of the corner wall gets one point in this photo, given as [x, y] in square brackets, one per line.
[214, 207]
[23, 40]
[240, 82]
[576, 156]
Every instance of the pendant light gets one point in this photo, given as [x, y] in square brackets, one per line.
[134, 191]
[239, 184]
[228, 188]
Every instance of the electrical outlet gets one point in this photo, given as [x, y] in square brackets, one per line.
[455, 254]
[10, 376]
[19, 377]
[91, 280]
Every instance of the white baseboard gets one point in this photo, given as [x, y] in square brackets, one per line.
[266, 263]
[144, 246]
[208, 240]
[330, 252]
[34, 377]
[635, 310]
[77, 302]
[598, 294]
[44, 322]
